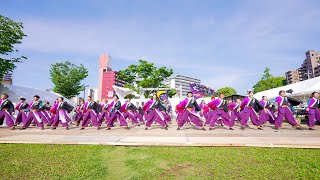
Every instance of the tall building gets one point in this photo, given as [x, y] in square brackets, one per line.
[92, 92]
[317, 71]
[311, 62]
[308, 69]
[293, 76]
[181, 82]
[107, 78]
[7, 79]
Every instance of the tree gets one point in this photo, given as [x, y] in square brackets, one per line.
[267, 74]
[67, 78]
[144, 75]
[11, 34]
[130, 96]
[268, 81]
[227, 91]
[172, 92]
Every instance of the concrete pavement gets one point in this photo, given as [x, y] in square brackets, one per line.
[157, 136]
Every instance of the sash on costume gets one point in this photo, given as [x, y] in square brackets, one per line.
[270, 114]
[315, 101]
[62, 116]
[250, 99]
[9, 115]
[221, 101]
[160, 114]
[194, 114]
[37, 117]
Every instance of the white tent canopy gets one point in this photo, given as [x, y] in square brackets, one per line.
[301, 90]
[16, 92]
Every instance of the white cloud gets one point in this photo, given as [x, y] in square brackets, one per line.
[217, 50]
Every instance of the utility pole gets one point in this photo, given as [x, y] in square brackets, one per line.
[308, 73]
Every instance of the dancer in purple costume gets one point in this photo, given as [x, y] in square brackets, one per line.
[284, 111]
[191, 108]
[266, 114]
[22, 111]
[153, 110]
[313, 110]
[250, 107]
[6, 111]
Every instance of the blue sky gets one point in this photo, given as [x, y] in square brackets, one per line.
[224, 43]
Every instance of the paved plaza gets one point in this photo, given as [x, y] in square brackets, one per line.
[157, 136]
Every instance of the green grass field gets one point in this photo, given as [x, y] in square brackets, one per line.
[27, 161]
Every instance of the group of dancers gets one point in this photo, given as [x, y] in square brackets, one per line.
[218, 111]
[259, 112]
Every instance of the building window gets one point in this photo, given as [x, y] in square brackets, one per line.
[312, 54]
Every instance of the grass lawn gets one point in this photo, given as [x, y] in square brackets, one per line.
[27, 161]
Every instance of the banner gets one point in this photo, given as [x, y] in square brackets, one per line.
[163, 96]
[200, 90]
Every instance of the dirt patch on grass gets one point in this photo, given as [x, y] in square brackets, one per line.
[178, 170]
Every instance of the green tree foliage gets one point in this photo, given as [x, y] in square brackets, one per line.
[130, 96]
[67, 78]
[11, 34]
[227, 91]
[172, 92]
[266, 74]
[145, 75]
[268, 81]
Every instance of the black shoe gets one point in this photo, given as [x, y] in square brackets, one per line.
[277, 128]
[178, 128]
[146, 128]
[211, 129]
[138, 125]
[23, 128]
[260, 128]
[231, 129]
[109, 128]
[82, 128]
[311, 129]
[166, 128]
[53, 128]
[203, 129]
